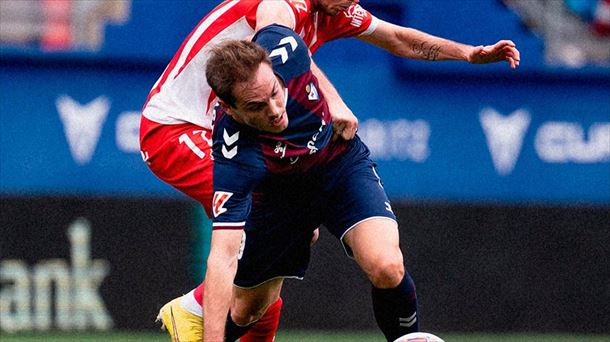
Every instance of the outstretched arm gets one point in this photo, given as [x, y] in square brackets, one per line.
[222, 266]
[411, 43]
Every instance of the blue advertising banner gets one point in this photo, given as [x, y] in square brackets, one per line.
[482, 140]
[443, 131]
[74, 130]
[71, 130]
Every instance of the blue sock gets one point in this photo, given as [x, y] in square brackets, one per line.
[234, 331]
[396, 309]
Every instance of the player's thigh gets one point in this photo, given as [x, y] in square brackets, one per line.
[278, 232]
[360, 215]
[249, 304]
[376, 249]
[356, 196]
[180, 155]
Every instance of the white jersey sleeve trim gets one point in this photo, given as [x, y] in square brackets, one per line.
[372, 27]
[228, 224]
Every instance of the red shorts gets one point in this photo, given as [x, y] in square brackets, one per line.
[180, 155]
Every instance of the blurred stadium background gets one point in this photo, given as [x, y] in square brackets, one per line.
[500, 178]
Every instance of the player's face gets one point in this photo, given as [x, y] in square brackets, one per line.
[261, 103]
[332, 7]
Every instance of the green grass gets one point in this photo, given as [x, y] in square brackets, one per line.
[302, 336]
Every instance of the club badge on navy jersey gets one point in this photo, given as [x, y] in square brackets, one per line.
[312, 92]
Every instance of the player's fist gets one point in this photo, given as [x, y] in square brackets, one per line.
[504, 50]
[345, 123]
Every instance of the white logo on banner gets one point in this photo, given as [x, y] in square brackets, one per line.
[53, 293]
[564, 142]
[128, 132]
[82, 125]
[504, 136]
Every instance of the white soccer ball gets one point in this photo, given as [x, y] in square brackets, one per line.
[419, 337]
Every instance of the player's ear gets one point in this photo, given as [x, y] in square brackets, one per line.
[227, 108]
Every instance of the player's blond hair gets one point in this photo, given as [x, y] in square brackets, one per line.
[232, 62]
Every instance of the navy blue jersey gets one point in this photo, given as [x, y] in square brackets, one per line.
[244, 157]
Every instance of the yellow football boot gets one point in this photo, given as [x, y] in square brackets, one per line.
[182, 325]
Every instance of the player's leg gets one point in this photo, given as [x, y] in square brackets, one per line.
[375, 246]
[255, 311]
[360, 215]
[180, 155]
[277, 238]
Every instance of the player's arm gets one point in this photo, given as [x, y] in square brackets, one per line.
[233, 182]
[221, 269]
[274, 12]
[411, 43]
[345, 122]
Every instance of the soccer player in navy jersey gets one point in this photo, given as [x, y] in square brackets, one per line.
[279, 173]
[177, 117]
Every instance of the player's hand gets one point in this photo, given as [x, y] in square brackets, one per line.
[345, 123]
[504, 50]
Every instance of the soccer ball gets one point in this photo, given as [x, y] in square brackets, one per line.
[419, 337]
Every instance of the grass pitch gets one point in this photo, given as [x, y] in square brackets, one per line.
[303, 336]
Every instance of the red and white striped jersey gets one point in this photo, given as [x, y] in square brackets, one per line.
[182, 93]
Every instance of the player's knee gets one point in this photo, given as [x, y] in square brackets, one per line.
[388, 273]
[244, 313]
[247, 316]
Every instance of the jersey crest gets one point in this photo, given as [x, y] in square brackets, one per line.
[312, 92]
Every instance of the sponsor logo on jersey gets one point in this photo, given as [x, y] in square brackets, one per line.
[356, 13]
[311, 144]
[82, 125]
[504, 136]
[280, 148]
[229, 140]
[312, 92]
[220, 198]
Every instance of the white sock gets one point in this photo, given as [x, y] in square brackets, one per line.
[189, 303]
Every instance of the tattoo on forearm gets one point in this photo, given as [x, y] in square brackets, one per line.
[429, 52]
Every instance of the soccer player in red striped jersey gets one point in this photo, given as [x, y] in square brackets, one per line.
[177, 118]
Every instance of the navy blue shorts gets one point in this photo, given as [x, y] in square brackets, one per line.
[287, 209]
